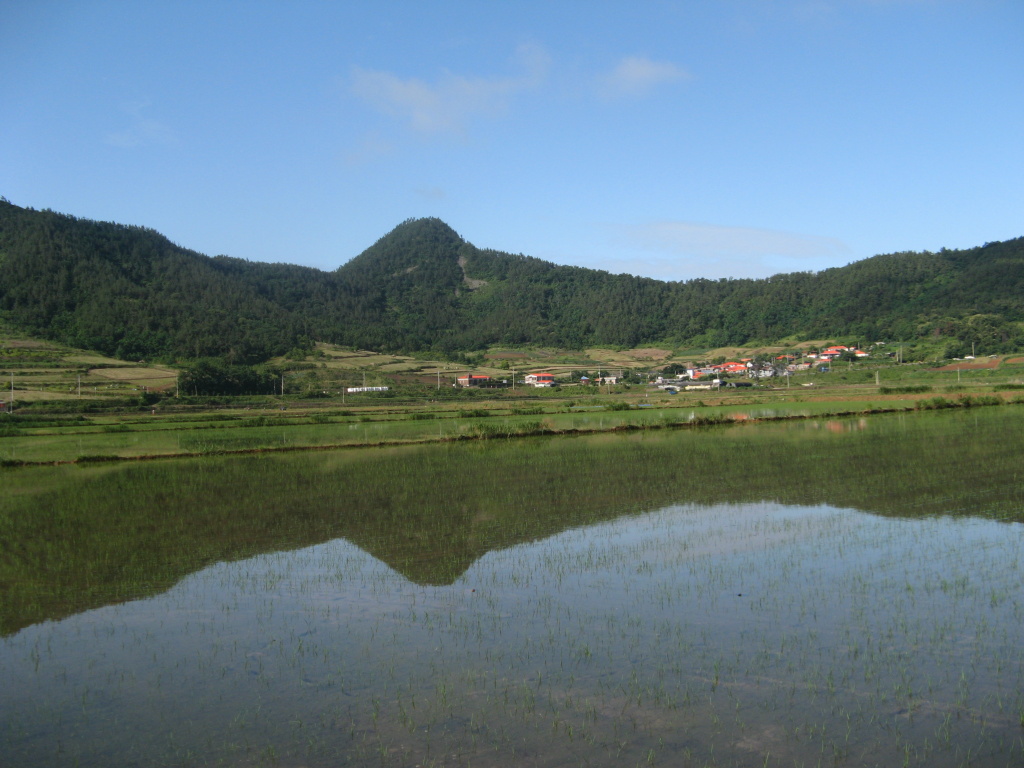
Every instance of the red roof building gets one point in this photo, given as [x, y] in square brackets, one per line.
[473, 380]
[541, 379]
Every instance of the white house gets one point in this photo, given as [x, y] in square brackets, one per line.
[540, 379]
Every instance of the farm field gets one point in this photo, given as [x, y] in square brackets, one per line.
[74, 406]
[37, 439]
[32, 370]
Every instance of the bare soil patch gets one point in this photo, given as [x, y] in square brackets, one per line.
[91, 359]
[736, 352]
[976, 366]
[645, 353]
[26, 343]
[133, 374]
[648, 353]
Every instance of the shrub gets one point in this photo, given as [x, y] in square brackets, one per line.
[618, 407]
[933, 403]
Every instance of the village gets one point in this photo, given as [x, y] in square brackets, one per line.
[736, 373]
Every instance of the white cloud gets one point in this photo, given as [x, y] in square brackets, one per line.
[142, 130]
[684, 250]
[446, 105]
[637, 76]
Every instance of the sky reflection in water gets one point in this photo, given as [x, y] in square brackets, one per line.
[722, 634]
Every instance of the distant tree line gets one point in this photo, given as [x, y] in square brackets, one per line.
[212, 376]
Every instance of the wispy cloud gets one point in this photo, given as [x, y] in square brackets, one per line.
[684, 250]
[638, 76]
[141, 130]
[445, 106]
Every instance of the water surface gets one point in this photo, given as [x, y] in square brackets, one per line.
[829, 593]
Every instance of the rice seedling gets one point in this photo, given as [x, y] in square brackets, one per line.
[33, 439]
[766, 596]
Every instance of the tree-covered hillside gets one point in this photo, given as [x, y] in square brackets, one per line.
[130, 292]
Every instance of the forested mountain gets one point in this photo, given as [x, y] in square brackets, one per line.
[130, 292]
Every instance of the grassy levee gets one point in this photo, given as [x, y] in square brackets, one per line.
[74, 537]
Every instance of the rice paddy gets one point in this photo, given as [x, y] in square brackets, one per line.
[30, 439]
[809, 593]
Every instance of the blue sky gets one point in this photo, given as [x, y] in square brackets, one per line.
[673, 140]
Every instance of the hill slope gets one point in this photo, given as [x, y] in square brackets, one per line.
[130, 292]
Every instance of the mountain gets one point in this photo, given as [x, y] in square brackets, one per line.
[128, 291]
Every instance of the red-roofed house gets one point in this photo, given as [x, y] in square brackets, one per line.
[540, 379]
[473, 380]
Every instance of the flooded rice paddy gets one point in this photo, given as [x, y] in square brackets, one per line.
[145, 435]
[838, 593]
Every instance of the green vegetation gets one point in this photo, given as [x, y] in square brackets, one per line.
[131, 293]
[80, 406]
[907, 390]
[214, 377]
[26, 438]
